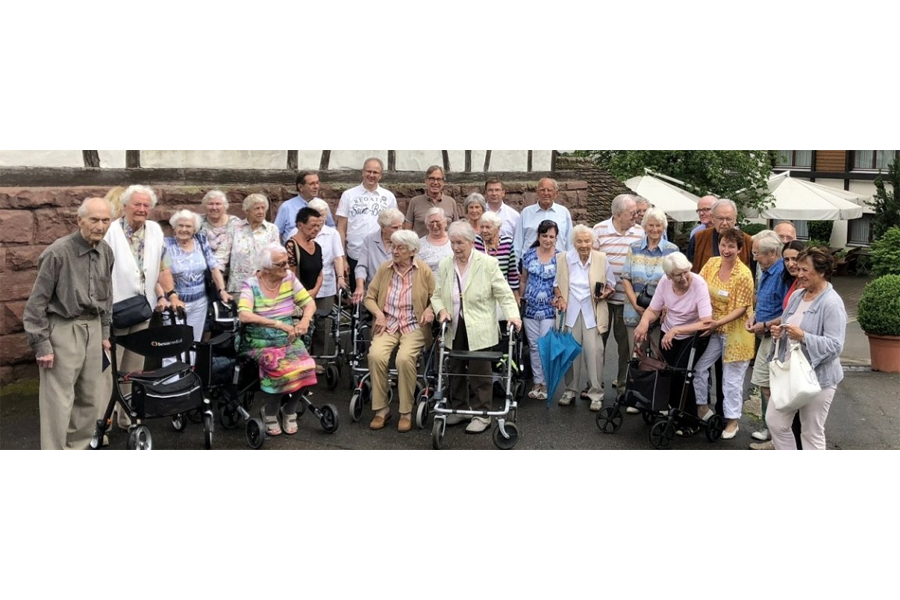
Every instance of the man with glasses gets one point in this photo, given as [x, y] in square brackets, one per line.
[705, 244]
[433, 197]
[546, 209]
[704, 213]
[357, 213]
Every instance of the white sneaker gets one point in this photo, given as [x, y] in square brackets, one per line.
[596, 405]
[457, 419]
[761, 435]
[632, 411]
[566, 398]
[478, 425]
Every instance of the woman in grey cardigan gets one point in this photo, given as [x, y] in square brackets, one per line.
[815, 317]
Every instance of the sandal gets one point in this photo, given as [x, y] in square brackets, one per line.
[271, 423]
[542, 393]
[289, 423]
[533, 394]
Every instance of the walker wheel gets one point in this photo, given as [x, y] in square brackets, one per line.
[437, 433]
[96, 439]
[208, 428]
[422, 409]
[229, 417]
[648, 416]
[661, 434]
[519, 391]
[714, 428]
[609, 419]
[255, 433]
[140, 439]
[332, 377]
[195, 416]
[356, 406]
[329, 418]
[508, 441]
[179, 423]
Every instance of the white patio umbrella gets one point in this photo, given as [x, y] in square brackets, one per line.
[796, 199]
[672, 200]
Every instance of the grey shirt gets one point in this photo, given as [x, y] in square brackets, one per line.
[74, 279]
[373, 255]
[824, 326]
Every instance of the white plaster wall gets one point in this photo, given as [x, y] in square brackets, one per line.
[41, 158]
[214, 159]
[407, 160]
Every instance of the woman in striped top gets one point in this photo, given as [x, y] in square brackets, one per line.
[273, 340]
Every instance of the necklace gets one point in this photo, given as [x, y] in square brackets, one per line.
[262, 280]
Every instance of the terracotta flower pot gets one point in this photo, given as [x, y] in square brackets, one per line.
[885, 352]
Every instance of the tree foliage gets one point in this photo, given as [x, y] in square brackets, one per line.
[718, 172]
[886, 204]
[886, 253]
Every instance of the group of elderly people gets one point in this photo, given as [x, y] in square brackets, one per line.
[473, 268]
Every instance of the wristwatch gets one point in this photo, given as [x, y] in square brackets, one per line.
[171, 293]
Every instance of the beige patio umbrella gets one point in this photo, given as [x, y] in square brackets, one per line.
[796, 199]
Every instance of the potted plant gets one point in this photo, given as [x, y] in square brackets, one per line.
[879, 317]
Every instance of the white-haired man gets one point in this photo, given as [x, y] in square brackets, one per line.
[67, 320]
[546, 209]
[614, 237]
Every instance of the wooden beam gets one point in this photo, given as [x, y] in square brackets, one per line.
[445, 156]
[326, 158]
[392, 160]
[487, 160]
[468, 161]
[293, 159]
[65, 177]
[91, 158]
[530, 161]
[133, 159]
[554, 154]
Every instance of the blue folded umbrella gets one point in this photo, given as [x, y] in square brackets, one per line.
[558, 350]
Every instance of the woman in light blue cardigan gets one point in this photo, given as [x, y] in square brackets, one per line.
[815, 317]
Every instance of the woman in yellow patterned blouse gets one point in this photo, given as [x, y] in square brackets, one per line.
[731, 294]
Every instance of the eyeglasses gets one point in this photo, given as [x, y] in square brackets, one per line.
[681, 275]
[279, 265]
[703, 210]
[724, 219]
[435, 179]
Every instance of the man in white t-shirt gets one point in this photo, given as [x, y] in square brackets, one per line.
[614, 237]
[494, 192]
[358, 210]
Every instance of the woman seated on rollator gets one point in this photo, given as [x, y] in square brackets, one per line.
[400, 290]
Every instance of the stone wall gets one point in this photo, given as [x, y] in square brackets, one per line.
[31, 218]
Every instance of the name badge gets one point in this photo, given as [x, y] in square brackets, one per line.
[723, 293]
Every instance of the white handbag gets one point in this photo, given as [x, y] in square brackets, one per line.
[792, 383]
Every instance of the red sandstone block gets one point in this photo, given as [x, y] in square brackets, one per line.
[16, 226]
[2, 259]
[54, 223]
[22, 258]
[14, 349]
[576, 185]
[17, 285]
[11, 317]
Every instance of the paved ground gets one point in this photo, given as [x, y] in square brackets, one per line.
[864, 415]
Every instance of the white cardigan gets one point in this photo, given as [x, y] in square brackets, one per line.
[126, 277]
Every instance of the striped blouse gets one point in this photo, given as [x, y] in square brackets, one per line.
[506, 256]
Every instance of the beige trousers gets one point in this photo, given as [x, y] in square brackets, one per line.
[383, 345]
[74, 393]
